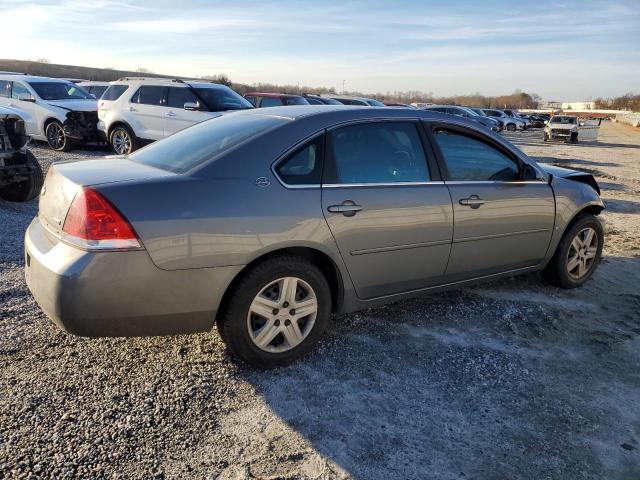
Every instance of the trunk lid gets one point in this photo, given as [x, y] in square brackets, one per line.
[64, 179]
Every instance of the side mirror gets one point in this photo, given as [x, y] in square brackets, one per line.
[581, 124]
[26, 97]
[192, 106]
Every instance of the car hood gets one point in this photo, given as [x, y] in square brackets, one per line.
[569, 174]
[75, 105]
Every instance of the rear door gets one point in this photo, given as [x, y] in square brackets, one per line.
[176, 116]
[386, 206]
[148, 108]
[501, 221]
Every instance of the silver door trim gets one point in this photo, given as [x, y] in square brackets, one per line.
[493, 182]
[381, 184]
[393, 248]
[500, 235]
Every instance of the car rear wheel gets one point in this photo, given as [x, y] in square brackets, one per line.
[56, 138]
[578, 253]
[122, 140]
[27, 190]
[277, 312]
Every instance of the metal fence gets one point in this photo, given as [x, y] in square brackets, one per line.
[629, 118]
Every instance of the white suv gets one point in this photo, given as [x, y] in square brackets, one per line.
[54, 110]
[136, 111]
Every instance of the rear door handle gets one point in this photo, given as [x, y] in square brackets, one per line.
[170, 114]
[131, 109]
[348, 208]
[474, 201]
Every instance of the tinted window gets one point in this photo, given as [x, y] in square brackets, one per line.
[114, 92]
[5, 88]
[270, 102]
[304, 166]
[98, 90]
[220, 99]
[313, 101]
[149, 95]
[295, 101]
[19, 89]
[375, 103]
[469, 159]
[179, 96]
[251, 99]
[196, 145]
[377, 153]
[348, 101]
[60, 91]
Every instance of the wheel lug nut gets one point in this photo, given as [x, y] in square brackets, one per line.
[287, 322]
[277, 323]
[286, 304]
[292, 311]
[275, 311]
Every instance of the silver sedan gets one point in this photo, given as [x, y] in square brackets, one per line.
[267, 222]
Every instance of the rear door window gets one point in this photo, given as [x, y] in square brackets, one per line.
[149, 95]
[376, 152]
[304, 165]
[18, 89]
[5, 88]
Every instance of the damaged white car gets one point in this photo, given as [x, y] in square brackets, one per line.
[54, 110]
[20, 173]
[570, 129]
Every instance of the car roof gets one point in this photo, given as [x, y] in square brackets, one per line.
[174, 82]
[32, 78]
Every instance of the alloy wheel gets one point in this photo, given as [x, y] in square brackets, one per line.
[282, 314]
[582, 253]
[55, 136]
[121, 142]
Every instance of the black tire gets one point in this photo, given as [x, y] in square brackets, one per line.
[28, 190]
[56, 138]
[556, 272]
[122, 132]
[573, 138]
[233, 325]
[511, 127]
[545, 138]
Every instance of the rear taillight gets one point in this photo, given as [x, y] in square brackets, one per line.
[93, 223]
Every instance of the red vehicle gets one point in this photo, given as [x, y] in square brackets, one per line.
[274, 99]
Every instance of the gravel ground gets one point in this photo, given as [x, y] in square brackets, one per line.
[514, 379]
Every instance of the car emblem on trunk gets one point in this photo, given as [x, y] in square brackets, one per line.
[262, 182]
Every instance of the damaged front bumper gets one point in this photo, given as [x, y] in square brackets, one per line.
[82, 126]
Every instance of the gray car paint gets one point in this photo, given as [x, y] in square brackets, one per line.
[199, 230]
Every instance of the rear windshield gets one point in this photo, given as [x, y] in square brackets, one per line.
[196, 145]
[114, 92]
[60, 91]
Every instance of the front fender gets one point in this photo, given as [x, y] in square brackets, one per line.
[572, 198]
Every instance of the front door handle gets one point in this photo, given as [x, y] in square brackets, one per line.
[474, 201]
[348, 208]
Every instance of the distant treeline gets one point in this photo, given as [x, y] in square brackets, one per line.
[628, 101]
[518, 99]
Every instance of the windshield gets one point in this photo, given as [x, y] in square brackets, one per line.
[564, 120]
[60, 91]
[375, 103]
[196, 145]
[220, 99]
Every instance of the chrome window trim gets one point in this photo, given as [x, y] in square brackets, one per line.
[381, 184]
[493, 182]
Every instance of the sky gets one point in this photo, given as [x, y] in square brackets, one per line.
[561, 50]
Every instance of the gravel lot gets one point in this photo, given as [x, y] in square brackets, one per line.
[513, 379]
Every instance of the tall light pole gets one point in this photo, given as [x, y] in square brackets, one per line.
[343, 86]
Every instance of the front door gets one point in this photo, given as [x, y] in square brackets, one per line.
[501, 222]
[176, 116]
[387, 209]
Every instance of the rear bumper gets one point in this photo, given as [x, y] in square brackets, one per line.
[99, 294]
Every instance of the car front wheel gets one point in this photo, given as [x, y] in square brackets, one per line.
[56, 138]
[277, 312]
[578, 253]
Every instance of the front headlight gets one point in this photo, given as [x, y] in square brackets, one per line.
[574, 129]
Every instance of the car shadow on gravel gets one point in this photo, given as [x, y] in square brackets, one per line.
[509, 381]
[621, 206]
